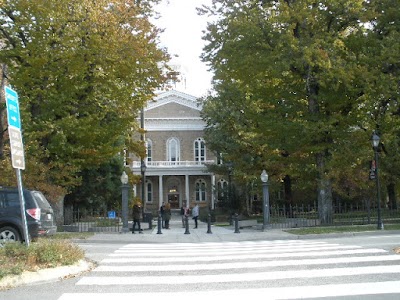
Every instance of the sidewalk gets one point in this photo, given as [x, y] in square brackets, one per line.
[176, 234]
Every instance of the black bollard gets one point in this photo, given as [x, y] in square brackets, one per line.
[159, 224]
[236, 223]
[209, 224]
[187, 225]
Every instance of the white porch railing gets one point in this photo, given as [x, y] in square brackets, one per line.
[172, 164]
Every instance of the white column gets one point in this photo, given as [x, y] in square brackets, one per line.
[212, 191]
[160, 191]
[187, 190]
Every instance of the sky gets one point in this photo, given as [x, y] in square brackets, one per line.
[182, 37]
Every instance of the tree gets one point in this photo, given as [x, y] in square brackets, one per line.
[83, 69]
[294, 64]
[101, 186]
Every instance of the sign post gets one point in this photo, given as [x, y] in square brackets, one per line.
[17, 149]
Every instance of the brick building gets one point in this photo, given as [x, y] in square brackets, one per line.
[176, 154]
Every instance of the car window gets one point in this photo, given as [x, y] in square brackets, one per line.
[41, 200]
[11, 199]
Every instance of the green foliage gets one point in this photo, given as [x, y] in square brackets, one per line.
[82, 70]
[300, 86]
[101, 186]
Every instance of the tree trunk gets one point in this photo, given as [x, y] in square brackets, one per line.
[324, 192]
[287, 185]
[391, 188]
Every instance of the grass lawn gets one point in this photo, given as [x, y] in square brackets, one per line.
[338, 229]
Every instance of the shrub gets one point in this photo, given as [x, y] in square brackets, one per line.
[44, 253]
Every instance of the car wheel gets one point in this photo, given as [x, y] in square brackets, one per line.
[9, 234]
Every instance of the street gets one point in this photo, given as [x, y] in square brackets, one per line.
[362, 266]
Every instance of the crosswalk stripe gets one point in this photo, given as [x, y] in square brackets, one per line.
[315, 291]
[242, 277]
[241, 269]
[248, 265]
[169, 258]
[227, 245]
[221, 251]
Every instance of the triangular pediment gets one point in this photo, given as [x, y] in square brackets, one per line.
[172, 110]
[174, 97]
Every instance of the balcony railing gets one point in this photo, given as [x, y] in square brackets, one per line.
[172, 164]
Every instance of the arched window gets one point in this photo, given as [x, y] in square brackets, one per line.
[200, 190]
[149, 150]
[199, 150]
[173, 149]
[149, 188]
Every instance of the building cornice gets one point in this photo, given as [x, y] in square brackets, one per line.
[174, 124]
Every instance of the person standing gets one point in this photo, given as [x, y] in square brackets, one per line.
[162, 208]
[195, 214]
[167, 215]
[136, 216]
[184, 213]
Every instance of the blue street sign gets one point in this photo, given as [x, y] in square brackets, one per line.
[12, 108]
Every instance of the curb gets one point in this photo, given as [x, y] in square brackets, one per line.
[47, 275]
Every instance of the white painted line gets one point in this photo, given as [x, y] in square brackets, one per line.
[170, 258]
[298, 292]
[187, 252]
[225, 245]
[244, 265]
[243, 277]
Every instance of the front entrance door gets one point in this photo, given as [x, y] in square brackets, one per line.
[173, 200]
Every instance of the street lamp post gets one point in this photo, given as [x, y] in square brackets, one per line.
[142, 162]
[264, 179]
[125, 192]
[375, 144]
[143, 171]
[230, 168]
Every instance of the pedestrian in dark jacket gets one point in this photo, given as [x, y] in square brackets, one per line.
[137, 210]
[167, 215]
[162, 208]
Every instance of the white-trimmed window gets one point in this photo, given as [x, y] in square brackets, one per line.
[149, 150]
[149, 191]
[173, 149]
[199, 150]
[200, 190]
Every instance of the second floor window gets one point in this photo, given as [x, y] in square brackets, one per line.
[173, 149]
[149, 150]
[199, 150]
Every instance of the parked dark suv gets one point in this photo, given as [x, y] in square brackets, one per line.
[39, 215]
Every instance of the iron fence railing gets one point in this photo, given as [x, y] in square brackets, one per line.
[292, 216]
[82, 220]
[281, 216]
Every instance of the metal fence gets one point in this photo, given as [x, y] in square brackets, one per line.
[342, 215]
[90, 220]
[289, 216]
